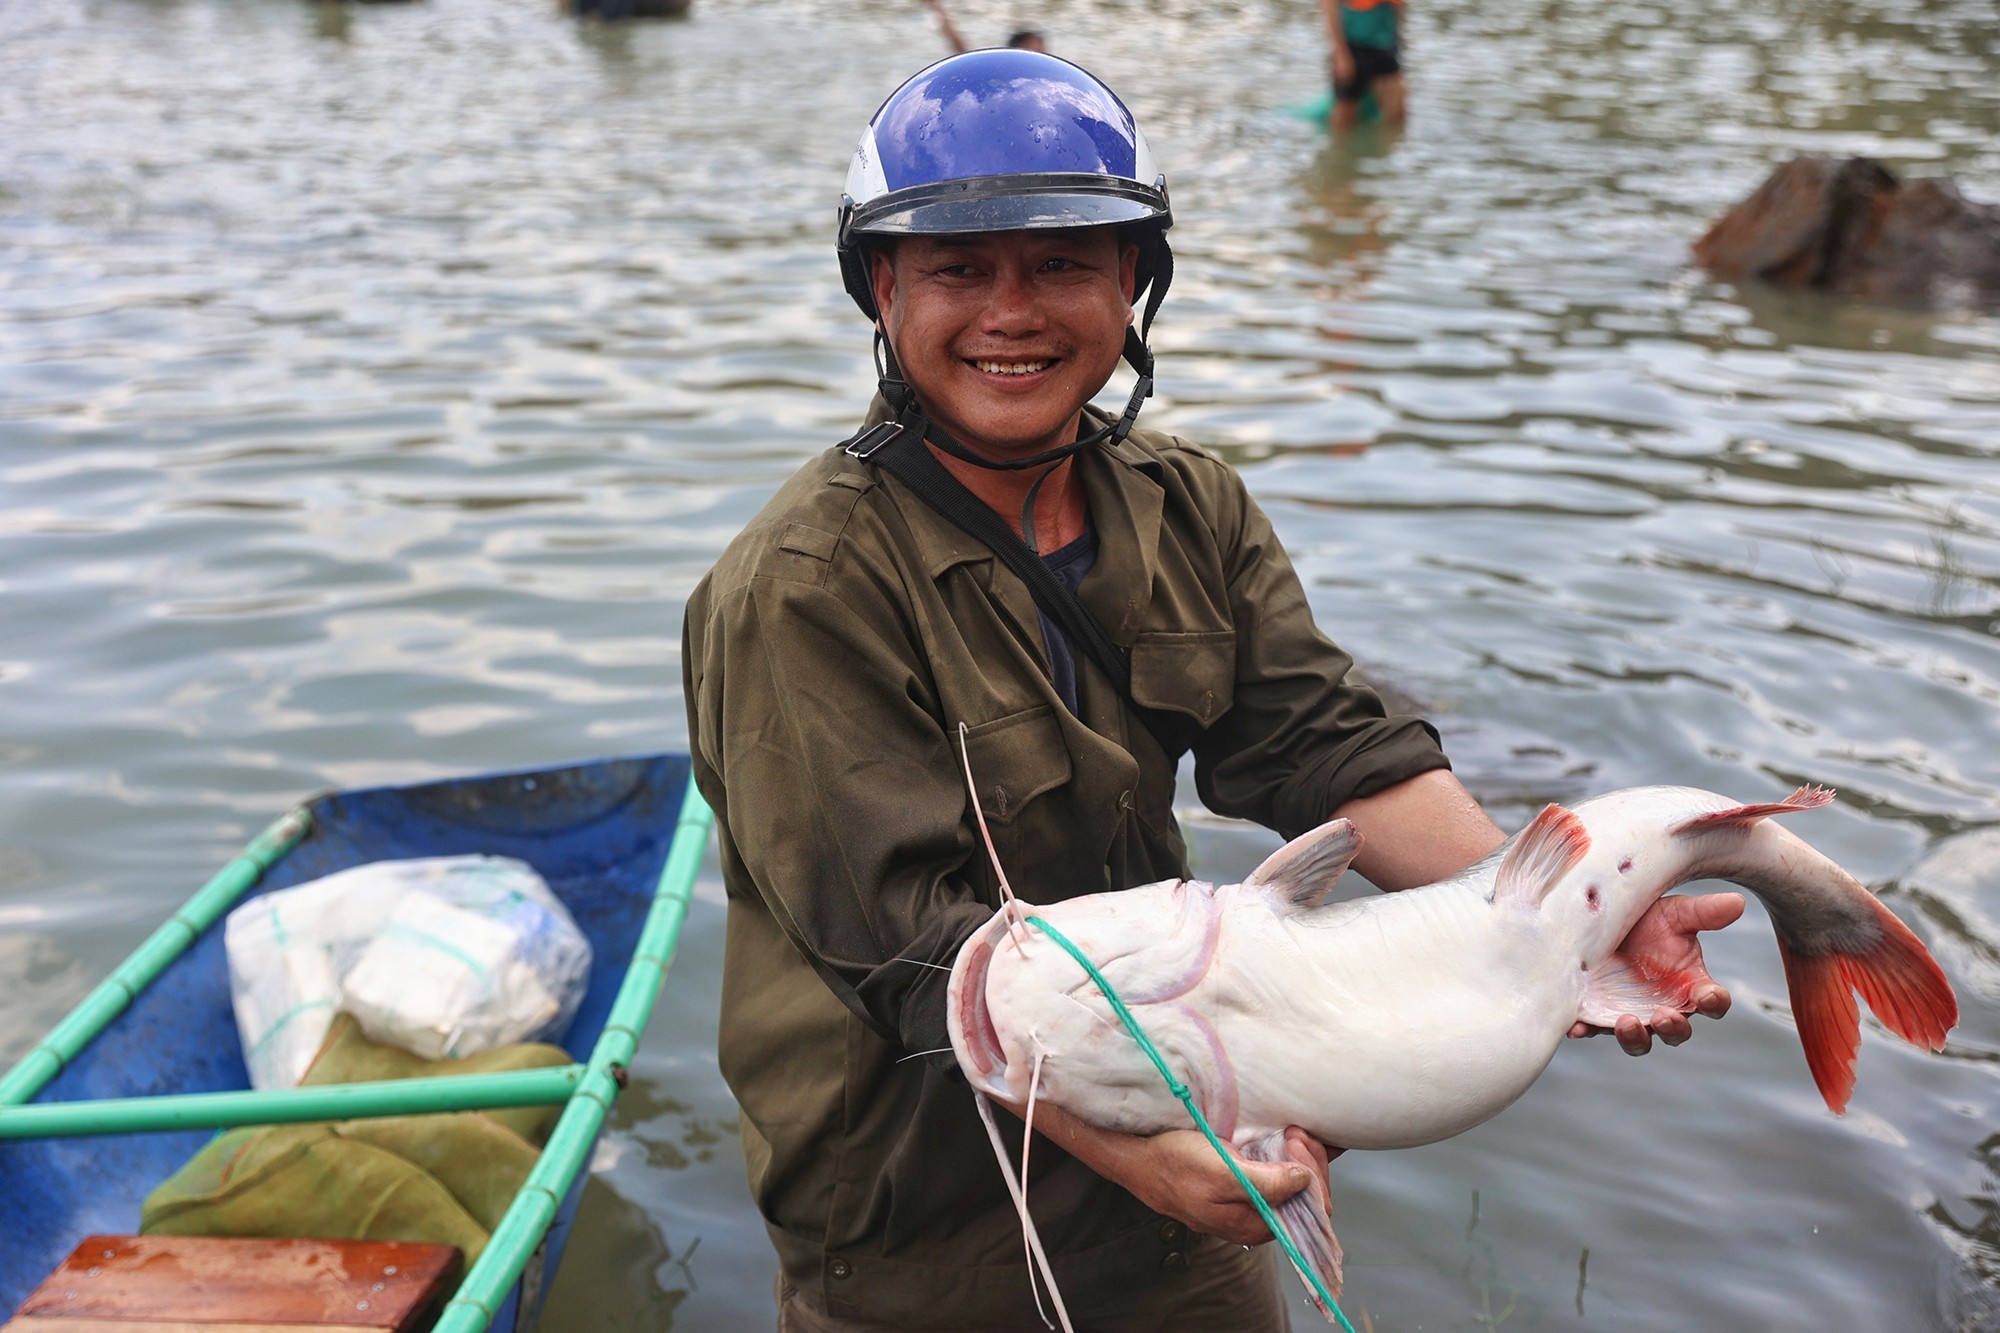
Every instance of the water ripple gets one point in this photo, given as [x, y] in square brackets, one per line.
[376, 383]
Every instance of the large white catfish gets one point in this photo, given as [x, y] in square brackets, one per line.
[1405, 1018]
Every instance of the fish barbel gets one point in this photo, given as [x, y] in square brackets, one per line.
[1405, 1018]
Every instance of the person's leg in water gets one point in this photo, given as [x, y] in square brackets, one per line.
[1347, 97]
[1389, 95]
[1371, 70]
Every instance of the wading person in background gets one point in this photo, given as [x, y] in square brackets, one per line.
[1364, 40]
[1022, 39]
[1002, 216]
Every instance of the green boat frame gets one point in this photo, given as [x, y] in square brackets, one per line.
[586, 1090]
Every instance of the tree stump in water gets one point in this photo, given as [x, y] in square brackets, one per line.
[1850, 227]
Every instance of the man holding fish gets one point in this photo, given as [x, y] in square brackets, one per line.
[995, 576]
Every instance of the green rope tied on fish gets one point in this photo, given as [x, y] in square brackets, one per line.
[1180, 1090]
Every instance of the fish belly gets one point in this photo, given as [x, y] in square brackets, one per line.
[1398, 1022]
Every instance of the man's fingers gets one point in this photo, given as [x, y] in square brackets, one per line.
[1633, 1036]
[1704, 911]
[1249, 1232]
[1276, 1181]
[1716, 910]
[1671, 1026]
[1299, 1143]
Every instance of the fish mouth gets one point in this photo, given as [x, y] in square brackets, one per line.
[968, 1020]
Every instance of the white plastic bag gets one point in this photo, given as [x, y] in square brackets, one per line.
[445, 956]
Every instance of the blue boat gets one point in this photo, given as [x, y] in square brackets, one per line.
[133, 1082]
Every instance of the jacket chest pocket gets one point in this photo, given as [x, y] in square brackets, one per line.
[1015, 759]
[1187, 672]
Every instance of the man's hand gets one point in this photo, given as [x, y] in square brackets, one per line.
[1299, 1144]
[1428, 827]
[1178, 1174]
[1343, 65]
[1664, 940]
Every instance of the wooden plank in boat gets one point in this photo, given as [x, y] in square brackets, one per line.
[37, 1323]
[174, 1284]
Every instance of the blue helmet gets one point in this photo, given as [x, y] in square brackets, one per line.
[1002, 140]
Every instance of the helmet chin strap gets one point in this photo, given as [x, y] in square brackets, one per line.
[902, 400]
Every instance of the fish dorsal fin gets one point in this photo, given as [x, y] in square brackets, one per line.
[1807, 797]
[1541, 855]
[1305, 869]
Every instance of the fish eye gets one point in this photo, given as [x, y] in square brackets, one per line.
[1590, 896]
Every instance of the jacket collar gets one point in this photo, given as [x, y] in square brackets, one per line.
[1127, 500]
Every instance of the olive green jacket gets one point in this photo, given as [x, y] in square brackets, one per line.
[829, 659]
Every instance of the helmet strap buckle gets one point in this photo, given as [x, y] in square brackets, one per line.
[868, 441]
[1141, 358]
[1140, 393]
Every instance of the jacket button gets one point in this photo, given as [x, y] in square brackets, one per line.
[840, 1268]
[1172, 1232]
[1125, 800]
[1174, 1261]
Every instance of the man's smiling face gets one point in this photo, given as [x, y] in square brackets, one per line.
[1006, 335]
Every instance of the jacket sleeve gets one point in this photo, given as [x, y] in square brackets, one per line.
[812, 720]
[1304, 735]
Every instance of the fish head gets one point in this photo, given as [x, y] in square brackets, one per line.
[1017, 994]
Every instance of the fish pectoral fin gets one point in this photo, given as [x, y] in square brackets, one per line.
[1305, 869]
[1305, 1218]
[1621, 986]
[1540, 855]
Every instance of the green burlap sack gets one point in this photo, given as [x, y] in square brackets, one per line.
[445, 1178]
[347, 1056]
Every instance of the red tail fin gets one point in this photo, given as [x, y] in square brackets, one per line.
[1898, 978]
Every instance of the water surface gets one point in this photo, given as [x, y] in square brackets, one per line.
[375, 384]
